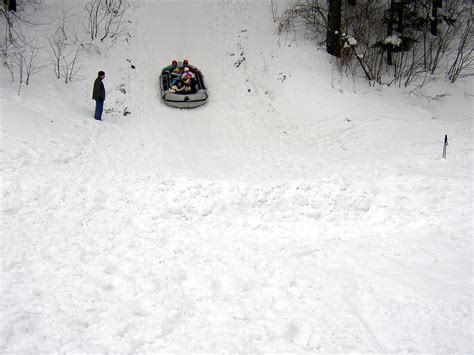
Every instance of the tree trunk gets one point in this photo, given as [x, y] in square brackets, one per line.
[351, 2]
[434, 20]
[390, 30]
[333, 35]
[399, 7]
[11, 4]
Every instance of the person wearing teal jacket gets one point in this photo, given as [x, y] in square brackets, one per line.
[170, 68]
[174, 72]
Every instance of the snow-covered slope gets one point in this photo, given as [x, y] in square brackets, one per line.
[295, 211]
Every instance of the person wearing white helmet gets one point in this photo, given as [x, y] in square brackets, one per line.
[189, 80]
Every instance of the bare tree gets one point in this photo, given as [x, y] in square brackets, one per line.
[17, 54]
[95, 17]
[13, 33]
[15, 49]
[105, 18]
[20, 64]
[463, 63]
[70, 63]
[9, 65]
[362, 23]
[57, 44]
[115, 11]
[438, 48]
[311, 15]
[402, 41]
[408, 66]
[13, 18]
[274, 9]
[31, 62]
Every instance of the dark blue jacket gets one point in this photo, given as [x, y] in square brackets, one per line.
[98, 92]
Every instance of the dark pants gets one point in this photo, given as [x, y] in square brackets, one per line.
[99, 107]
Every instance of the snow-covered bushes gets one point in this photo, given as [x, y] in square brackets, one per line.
[105, 18]
[28, 45]
[393, 42]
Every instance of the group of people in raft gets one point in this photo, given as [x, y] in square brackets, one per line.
[183, 77]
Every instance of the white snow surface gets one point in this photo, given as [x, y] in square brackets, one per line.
[296, 211]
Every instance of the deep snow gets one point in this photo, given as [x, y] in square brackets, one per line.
[296, 211]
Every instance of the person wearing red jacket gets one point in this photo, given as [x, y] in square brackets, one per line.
[191, 68]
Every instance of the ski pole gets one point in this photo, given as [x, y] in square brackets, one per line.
[445, 145]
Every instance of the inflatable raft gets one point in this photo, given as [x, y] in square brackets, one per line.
[196, 97]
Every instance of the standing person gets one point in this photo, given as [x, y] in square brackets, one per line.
[98, 94]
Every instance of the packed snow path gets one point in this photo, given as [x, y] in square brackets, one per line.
[266, 220]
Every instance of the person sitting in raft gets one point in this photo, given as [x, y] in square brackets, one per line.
[174, 70]
[178, 88]
[177, 73]
[191, 68]
[187, 86]
[188, 80]
[170, 68]
[187, 74]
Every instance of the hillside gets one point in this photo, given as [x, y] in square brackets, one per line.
[296, 211]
